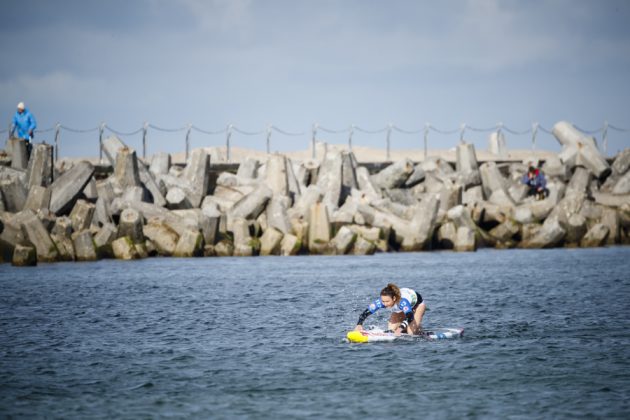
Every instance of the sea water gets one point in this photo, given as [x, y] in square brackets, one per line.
[547, 335]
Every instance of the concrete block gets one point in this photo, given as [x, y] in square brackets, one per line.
[248, 169]
[550, 235]
[295, 189]
[467, 166]
[66, 189]
[124, 249]
[276, 174]
[160, 164]
[224, 248]
[131, 225]
[176, 198]
[163, 236]
[446, 235]
[343, 240]
[416, 177]
[65, 247]
[111, 146]
[40, 167]
[18, 153]
[580, 149]
[155, 190]
[329, 180]
[300, 229]
[103, 240]
[251, 205]
[24, 256]
[505, 231]
[243, 242]
[270, 242]
[576, 229]
[14, 194]
[126, 168]
[465, 240]
[319, 233]
[610, 219]
[472, 195]
[371, 191]
[363, 247]
[190, 244]
[38, 198]
[595, 237]
[394, 176]
[35, 232]
[84, 246]
[622, 187]
[290, 245]
[197, 173]
[419, 234]
[554, 168]
[277, 215]
[311, 195]
[81, 215]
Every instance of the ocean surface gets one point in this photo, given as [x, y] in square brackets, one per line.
[547, 335]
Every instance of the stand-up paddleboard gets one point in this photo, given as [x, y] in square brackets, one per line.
[373, 335]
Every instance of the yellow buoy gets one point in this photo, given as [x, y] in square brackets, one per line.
[357, 337]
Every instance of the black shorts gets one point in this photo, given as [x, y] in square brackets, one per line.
[418, 302]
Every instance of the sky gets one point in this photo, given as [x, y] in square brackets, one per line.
[293, 64]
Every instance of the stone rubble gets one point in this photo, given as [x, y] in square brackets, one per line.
[332, 206]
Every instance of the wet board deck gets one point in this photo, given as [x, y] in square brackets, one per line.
[374, 335]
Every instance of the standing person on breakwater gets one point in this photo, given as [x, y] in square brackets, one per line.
[25, 124]
[407, 309]
[535, 180]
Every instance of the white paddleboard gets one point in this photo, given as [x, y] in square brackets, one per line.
[374, 335]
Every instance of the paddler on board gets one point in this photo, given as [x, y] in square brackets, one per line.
[407, 310]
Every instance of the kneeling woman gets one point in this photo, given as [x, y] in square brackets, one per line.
[407, 309]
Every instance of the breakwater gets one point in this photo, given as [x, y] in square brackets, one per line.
[279, 206]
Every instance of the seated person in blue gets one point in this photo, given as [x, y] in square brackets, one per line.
[535, 180]
[406, 306]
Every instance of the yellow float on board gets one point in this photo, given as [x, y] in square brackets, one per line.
[357, 337]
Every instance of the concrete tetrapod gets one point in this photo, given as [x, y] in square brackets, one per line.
[123, 248]
[190, 244]
[270, 242]
[67, 188]
[84, 246]
[130, 225]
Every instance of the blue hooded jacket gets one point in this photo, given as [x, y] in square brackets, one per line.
[24, 123]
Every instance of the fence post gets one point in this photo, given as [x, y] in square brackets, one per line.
[145, 128]
[227, 142]
[188, 140]
[461, 133]
[57, 130]
[269, 139]
[313, 140]
[534, 133]
[350, 138]
[426, 139]
[101, 129]
[605, 137]
[389, 133]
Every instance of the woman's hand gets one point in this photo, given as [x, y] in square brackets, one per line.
[358, 328]
[398, 331]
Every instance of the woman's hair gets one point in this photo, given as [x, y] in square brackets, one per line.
[392, 291]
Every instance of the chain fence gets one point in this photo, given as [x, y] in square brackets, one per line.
[230, 129]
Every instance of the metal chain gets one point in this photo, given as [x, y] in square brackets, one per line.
[618, 128]
[334, 131]
[400, 130]
[589, 131]
[286, 133]
[544, 130]
[363, 130]
[222, 131]
[48, 130]
[517, 133]
[447, 132]
[74, 130]
[481, 130]
[124, 134]
[248, 133]
[168, 130]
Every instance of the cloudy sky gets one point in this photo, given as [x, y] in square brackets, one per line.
[295, 63]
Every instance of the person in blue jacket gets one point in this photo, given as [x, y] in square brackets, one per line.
[407, 309]
[536, 182]
[24, 123]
